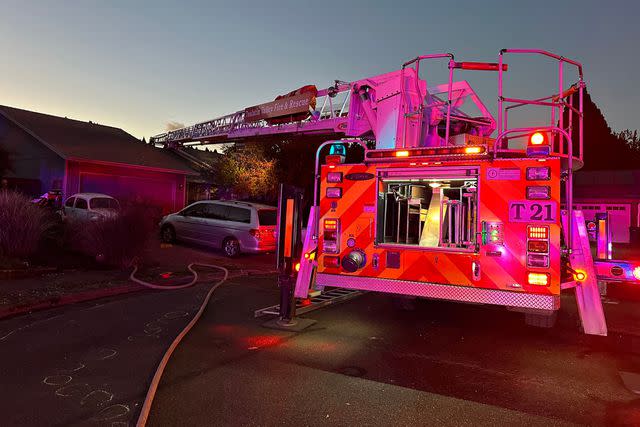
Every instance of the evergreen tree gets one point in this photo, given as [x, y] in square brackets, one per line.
[603, 149]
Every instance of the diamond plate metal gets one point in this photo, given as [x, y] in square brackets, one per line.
[438, 291]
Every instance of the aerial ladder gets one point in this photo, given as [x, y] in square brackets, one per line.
[449, 204]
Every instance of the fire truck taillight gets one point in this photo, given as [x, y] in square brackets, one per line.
[538, 279]
[331, 261]
[330, 236]
[334, 177]
[537, 232]
[538, 246]
[330, 224]
[539, 192]
[539, 173]
[538, 260]
[334, 192]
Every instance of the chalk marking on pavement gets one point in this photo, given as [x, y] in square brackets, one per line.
[76, 369]
[106, 353]
[112, 412]
[107, 395]
[7, 335]
[73, 390]
[57, 379]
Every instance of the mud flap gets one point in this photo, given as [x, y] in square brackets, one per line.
[587, 292]
[304, 280]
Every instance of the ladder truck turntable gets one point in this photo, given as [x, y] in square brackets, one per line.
[439, 208]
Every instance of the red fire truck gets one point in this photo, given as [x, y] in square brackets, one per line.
[445, 204]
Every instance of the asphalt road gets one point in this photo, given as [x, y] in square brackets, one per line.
[363, 363]
[88, 363]
[367, 363]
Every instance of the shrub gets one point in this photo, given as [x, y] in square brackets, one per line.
[119, 241]
[22, 225]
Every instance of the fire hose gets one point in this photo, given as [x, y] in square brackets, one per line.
[155, 381]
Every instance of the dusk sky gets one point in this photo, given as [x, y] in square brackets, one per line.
[141, 64]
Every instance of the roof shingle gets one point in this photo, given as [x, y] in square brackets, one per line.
[78, 140]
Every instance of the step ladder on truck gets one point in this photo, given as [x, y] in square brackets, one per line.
[437, 208]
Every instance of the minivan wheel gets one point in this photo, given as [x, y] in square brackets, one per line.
[168, 234]
[231, 247]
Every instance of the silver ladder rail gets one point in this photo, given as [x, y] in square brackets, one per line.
[330, 297]
[334, 110]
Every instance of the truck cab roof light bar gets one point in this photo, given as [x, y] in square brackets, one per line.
[470, 150]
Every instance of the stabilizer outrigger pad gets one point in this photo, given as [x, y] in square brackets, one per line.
[297, 324]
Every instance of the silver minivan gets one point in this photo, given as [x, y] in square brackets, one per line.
[233, 226]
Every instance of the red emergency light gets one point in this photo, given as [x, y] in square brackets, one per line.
[538, 145]
[480, 66]
[537, 138]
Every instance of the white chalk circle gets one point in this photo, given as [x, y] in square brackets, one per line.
[57, 380]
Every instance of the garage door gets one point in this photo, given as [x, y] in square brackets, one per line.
[619, 218]
[154, 192]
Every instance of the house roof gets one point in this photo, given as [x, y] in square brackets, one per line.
[87, 141]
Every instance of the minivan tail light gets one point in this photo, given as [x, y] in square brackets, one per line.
[255, 233]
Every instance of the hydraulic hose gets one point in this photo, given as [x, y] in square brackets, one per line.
[148, 400]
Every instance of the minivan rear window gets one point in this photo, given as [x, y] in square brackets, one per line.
[238, 214]
[267, 216]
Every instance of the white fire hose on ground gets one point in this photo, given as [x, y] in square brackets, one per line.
[155, 381]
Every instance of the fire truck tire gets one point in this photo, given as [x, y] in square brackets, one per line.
[168, 234]
[231, 247]
[541, 320]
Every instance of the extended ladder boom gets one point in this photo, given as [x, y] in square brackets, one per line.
[329, 120]
[396, 109]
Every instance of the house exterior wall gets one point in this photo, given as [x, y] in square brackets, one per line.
[34, 165]
[165, 190]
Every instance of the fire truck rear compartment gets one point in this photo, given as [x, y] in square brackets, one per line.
[428, 212]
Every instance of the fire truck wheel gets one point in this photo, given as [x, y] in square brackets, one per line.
[168, 234]
[231, 247]
[541, 320]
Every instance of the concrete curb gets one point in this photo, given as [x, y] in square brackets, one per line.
[25, 273]
[96, 294]
[54, 302]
